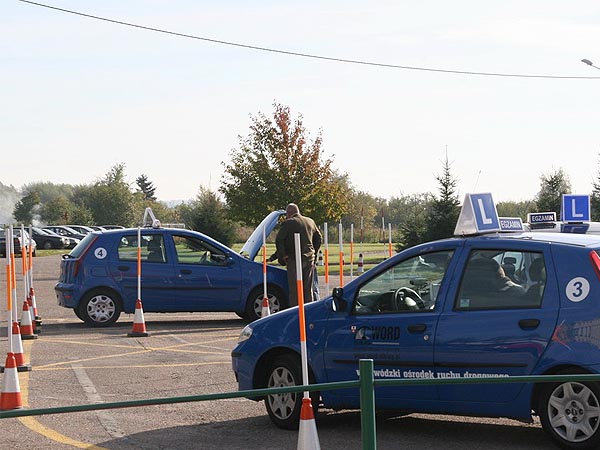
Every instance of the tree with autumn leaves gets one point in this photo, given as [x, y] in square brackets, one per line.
[277, 163]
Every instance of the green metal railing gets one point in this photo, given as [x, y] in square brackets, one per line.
[366, 382]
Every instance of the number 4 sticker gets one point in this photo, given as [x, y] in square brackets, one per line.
[100, 253]
[578, 289]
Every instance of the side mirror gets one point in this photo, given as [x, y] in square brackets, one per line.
[338, 304]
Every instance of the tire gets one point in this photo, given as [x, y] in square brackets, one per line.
[570, 413]
[100, 308]
[47, 245]
[284, 409]
[277, 302]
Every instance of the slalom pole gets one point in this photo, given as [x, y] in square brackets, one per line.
[341, 243]
[308, 438]
[139, 263]
[266, 308]
[351, 251]
[13, 275]
[34, 311]
[326, 256]
[390, 239]
[8, 235]
[301, 318]
[24, 253]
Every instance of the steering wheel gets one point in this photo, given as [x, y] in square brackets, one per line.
[403, 293]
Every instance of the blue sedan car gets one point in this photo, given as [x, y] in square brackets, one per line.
[485, 305]
[181, 271]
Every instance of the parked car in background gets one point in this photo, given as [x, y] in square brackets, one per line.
[48, 240]
[112, 227]
[19, 240]
[66, 231]
[83, 229]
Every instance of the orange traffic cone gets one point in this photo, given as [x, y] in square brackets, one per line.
[17, 350]
[307, 437]
[27, 329]
[266, 309]
[139, 326]
[10, 398]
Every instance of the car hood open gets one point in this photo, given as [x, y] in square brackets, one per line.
[255, 241]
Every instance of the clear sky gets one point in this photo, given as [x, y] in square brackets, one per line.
[79, 95]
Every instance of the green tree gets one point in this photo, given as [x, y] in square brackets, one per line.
[57, 211]
[27, 207]
[208, 214]
[110, 199]
[516, 209]
[277, 164]
[552, 187]
[411, 218]
[443, 210]
[146, 187]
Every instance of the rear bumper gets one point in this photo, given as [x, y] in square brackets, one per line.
[66, 295]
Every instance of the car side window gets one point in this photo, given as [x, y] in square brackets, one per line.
[411, 285]
[501, 279]
[152, 248]
[195, 251]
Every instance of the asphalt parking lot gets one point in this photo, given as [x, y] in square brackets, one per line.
[187, 354]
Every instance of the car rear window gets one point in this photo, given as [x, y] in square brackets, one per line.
[82, 246]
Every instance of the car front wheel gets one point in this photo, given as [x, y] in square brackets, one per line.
[277, 302]
[100, 308]
[570, 414]
[284, 409]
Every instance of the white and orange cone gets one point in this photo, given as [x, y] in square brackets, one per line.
[266, 308]
[139, 325]
[27, 328]
[17, 350]
[307, 433]
[10, 398]
[361, 265]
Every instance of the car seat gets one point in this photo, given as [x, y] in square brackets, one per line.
[155, 251]
[508, 265]
[537, 274]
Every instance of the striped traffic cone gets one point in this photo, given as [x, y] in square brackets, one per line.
[17, 350]
[27, 329]
[266, 309]
[307, 436]
[361, 266]
[139, 326]
[10, 398]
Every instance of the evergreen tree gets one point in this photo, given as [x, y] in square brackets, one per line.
[552, 187]
[146, 187]
[443, 210]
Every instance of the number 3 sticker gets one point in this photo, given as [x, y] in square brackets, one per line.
[578, 289]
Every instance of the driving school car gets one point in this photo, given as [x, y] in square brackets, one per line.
[181, 271]
[486, 303]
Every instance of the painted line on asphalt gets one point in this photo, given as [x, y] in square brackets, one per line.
[33, 424]
[106, 418]
[139, 366]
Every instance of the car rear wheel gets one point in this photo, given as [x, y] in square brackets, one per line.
[570, 414]
[47, 245]
[100, 308]
[284, 409]
[277, 302]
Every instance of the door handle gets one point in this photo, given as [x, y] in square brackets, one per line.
[186, 271]
[123, 268]
[529, 324]
[418, 328]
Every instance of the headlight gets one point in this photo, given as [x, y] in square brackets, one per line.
[245, 334]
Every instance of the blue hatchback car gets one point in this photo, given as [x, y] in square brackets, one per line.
[486, 305]
[181, 271]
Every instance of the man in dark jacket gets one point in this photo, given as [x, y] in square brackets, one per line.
[310, 242]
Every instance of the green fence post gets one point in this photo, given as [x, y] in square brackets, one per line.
[367, 404]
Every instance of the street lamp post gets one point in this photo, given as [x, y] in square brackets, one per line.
[589, 63]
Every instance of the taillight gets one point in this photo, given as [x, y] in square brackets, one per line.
[78, 262]
[595, 258]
